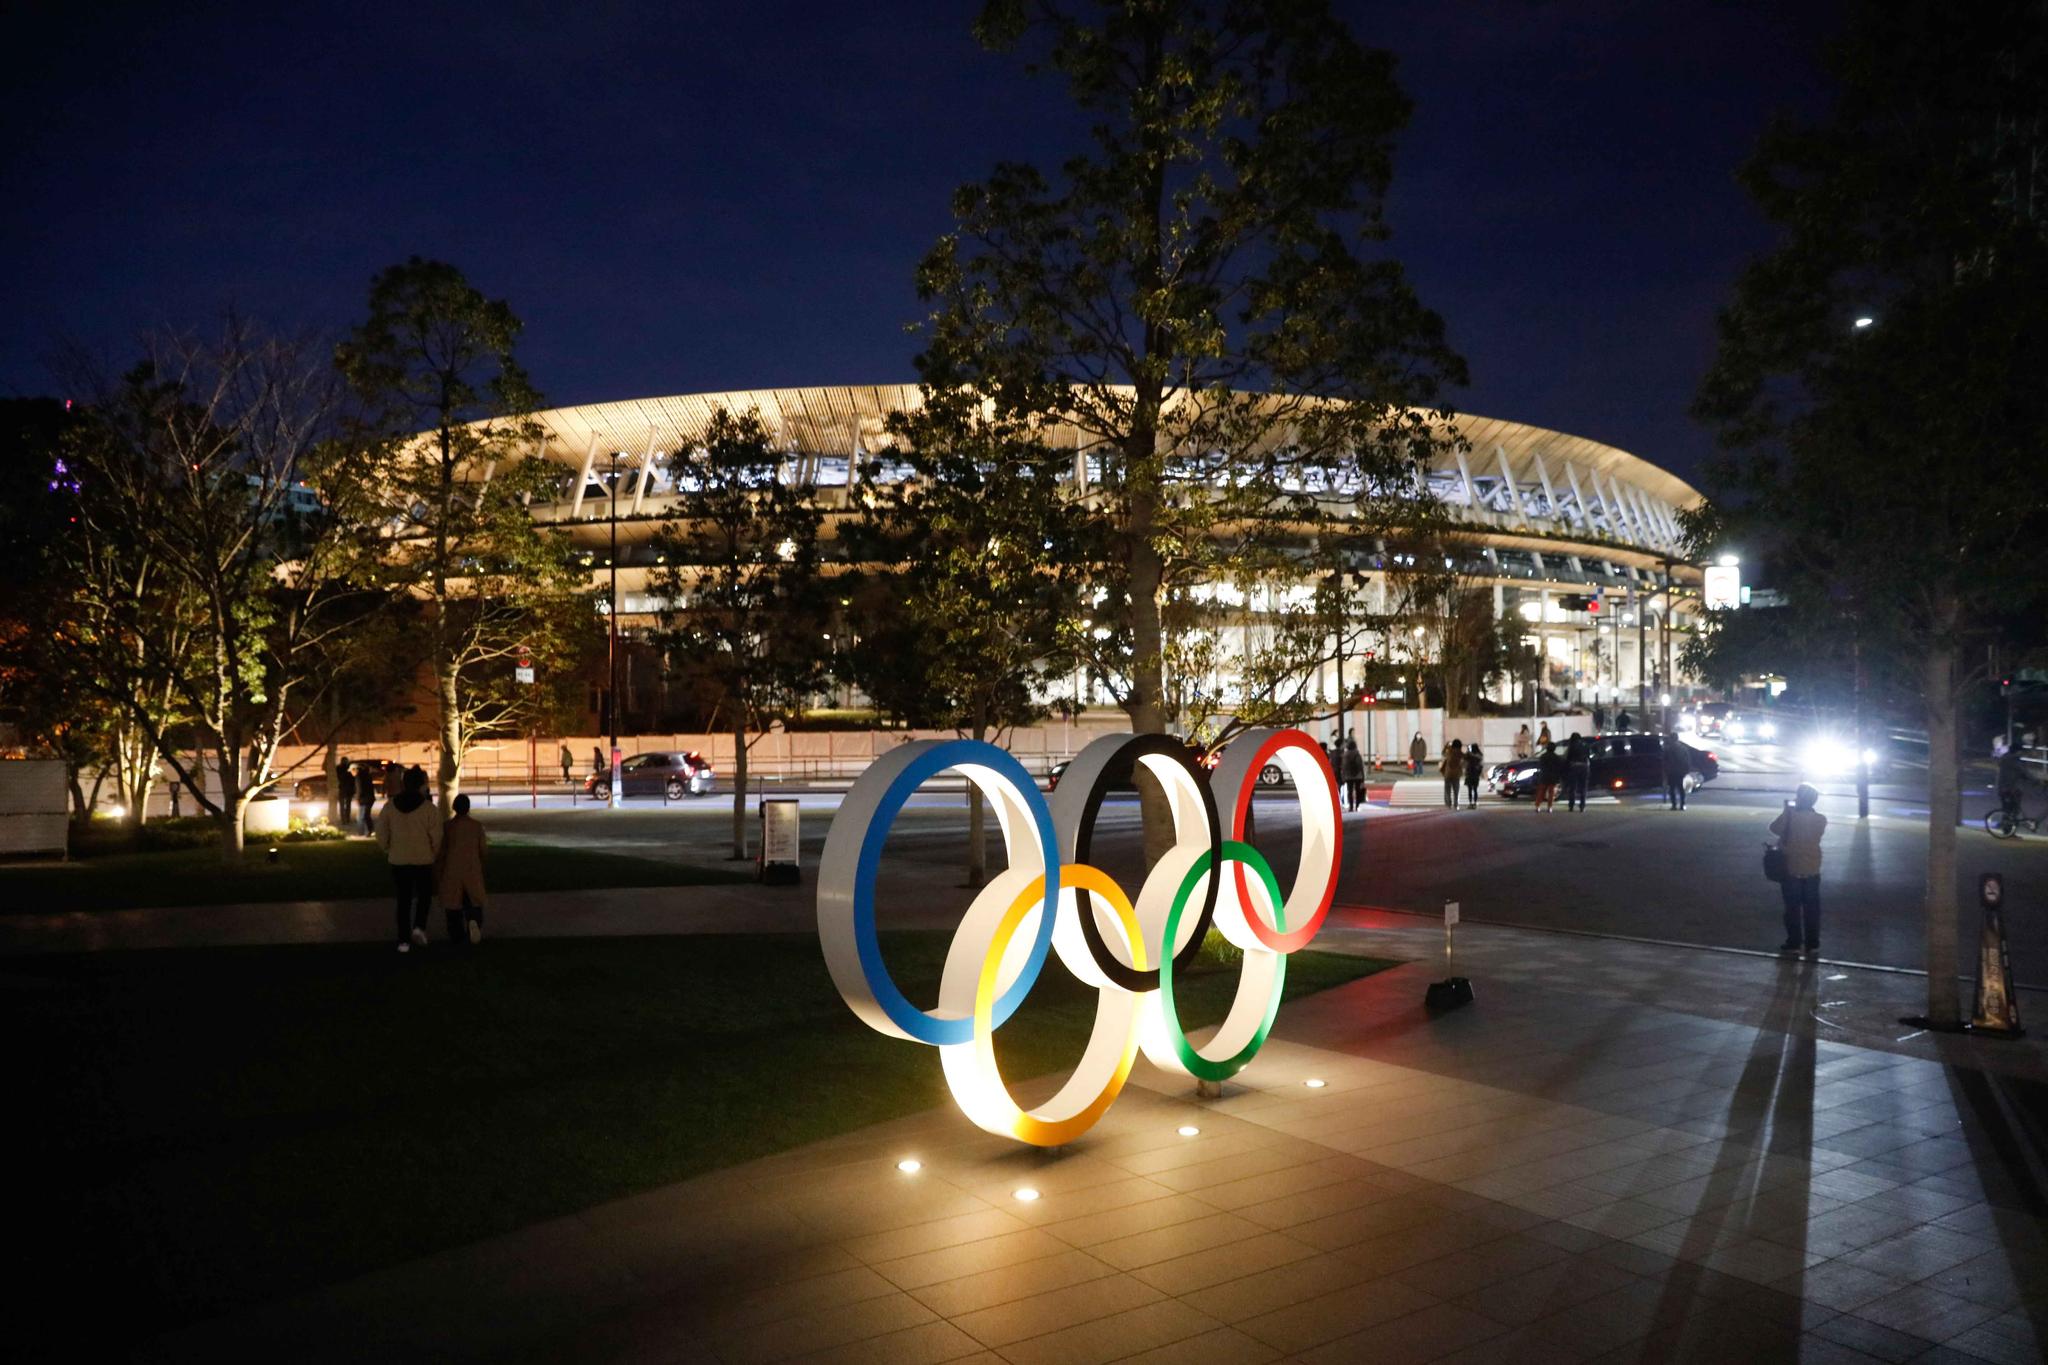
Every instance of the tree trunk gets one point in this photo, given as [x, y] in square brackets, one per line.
[330, 762]
[234, 803]
[231, 827]
[977, 852]
[739, 789]
[451, 737]
[1938, 686]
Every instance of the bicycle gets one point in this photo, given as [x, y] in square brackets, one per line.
[2006, 824]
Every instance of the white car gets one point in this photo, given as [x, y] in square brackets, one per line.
[1749, 730]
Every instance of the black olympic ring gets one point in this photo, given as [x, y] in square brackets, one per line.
[1074, 823]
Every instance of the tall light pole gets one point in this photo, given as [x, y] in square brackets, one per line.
[612, 635]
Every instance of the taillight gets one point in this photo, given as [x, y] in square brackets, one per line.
[1711, 758]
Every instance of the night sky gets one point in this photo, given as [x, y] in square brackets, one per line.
[693, 197]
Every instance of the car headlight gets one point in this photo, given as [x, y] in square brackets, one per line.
[1768, 730]
[1870, 758]
[1733, 729]
[1828, 758]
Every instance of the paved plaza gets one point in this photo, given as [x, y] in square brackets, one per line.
[1621, 1151]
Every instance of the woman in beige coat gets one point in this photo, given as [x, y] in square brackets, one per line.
[459, 875]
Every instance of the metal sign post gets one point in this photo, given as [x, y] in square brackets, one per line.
[1453, 990]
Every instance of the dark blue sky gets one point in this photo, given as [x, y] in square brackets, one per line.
[690, 197]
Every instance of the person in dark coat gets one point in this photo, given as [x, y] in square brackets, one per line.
[366, 795]
[1799, 828]
[1578, 771]
[345, 791]
[1452, 766]
[1599, 716]
[1352, 770]
[1624, 722]
[1549, 776]
[1474, 757]
[1677, 766]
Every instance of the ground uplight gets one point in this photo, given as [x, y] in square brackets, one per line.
[1315, 1083]
[1026, 1195]
[910, 1165]
[1187, 1130]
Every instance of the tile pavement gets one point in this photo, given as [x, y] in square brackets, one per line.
[1577, 1168]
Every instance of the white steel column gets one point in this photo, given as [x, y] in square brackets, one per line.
[583, 479]
[1549, 493]
[1465, 473]
[646, 468]
[1585, 512]
[1514, 489]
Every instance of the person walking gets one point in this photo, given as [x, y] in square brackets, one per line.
[1578, 771]
[459, 875]
[1418, 750]
[1452, 766]
[1624, 722]
[2011, 779]
[1549, 774]
[409, 832]
[366, 795]
[1354, 772]
[568, 765]
[1799, 828]
[597, 763]
[345, 792]
[1543, 735]
[1599, 717]
[1525, 747]
[1677, 768]
[1475, 758]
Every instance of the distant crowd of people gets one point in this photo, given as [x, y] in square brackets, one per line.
[430, 859]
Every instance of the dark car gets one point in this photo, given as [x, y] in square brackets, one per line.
[1204, 759]
[1621, 763]
[671, 773]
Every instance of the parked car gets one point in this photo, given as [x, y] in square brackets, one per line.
[671, 773]
[1205, 760]
[313, 786]
[1621, 763]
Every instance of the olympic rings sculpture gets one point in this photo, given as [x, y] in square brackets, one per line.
[1049, 900]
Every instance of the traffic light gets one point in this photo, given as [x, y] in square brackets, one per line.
[1578, 602]
[1593, 605]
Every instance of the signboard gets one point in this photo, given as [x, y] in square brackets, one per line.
[1723, 586]
[1450, 913]
[779, 835]
[523, 673]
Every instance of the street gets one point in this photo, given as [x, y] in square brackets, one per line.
[1624, 867]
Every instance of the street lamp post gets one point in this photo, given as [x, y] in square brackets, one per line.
[612, 635]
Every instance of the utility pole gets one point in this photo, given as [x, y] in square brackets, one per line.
[612, 636]
[1635, 598]
[1337, 595]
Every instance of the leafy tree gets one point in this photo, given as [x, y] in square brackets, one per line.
[446, 425]
[201, 583]
[984, 604]
[1878, 377]
[1220, 235]
[46, 691]
[744, 611]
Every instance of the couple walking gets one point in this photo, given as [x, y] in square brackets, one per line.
[1349, 765]
[430, 859]
[1461, 763]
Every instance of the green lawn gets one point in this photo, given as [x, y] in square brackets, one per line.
[204, 1129]
[329, 870]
